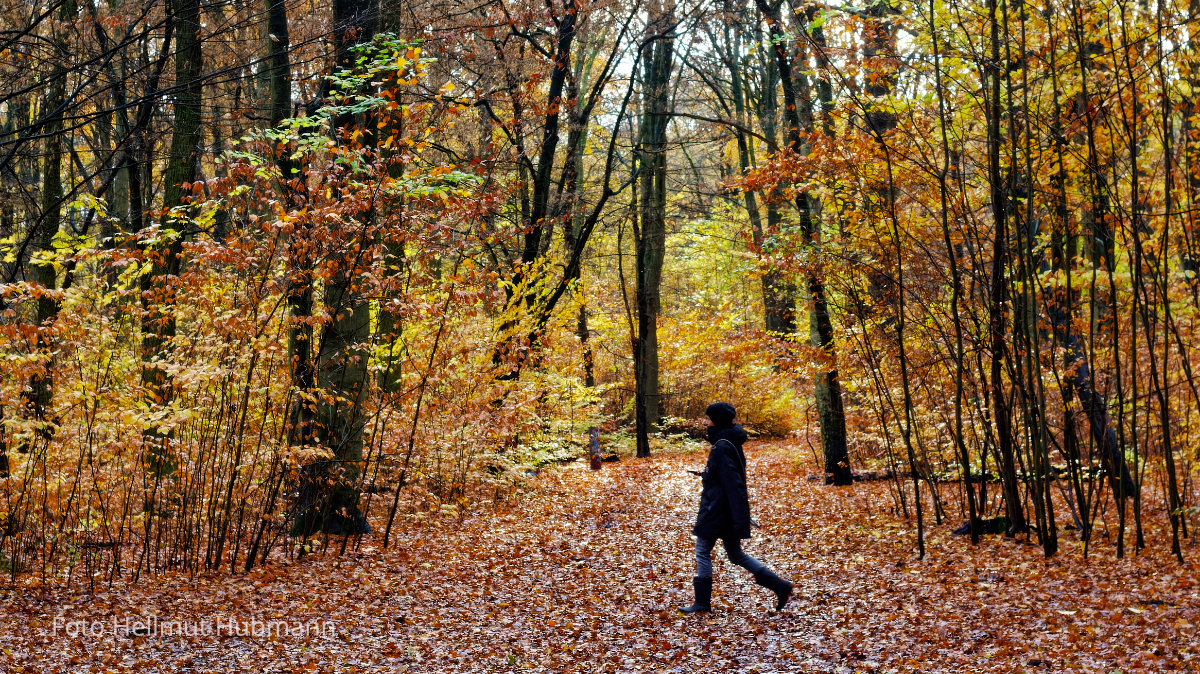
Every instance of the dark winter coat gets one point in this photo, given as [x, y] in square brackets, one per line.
[724, 504]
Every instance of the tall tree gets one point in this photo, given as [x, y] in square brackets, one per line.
[545, 174]
[329, 490]
[573, 178]
[158, 323]
[798, 114]
[651, 233]
[997, 318]
[755, 85]
[45, 265]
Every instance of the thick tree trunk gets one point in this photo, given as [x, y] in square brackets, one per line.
[300, 289]
[651, 239]
[341, 369]
[389, 322]
[329, 495]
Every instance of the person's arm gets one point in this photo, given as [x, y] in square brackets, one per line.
[708, 464]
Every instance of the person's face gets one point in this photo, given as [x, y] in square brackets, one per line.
[707, 422]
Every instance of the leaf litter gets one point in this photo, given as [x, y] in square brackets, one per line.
[583, 571]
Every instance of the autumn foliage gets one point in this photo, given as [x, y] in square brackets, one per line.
[309, 286]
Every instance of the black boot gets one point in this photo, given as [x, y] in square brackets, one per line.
[781, 587]
[703, 587]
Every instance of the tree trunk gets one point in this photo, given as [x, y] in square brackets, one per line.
[300, 290]
[38, 395]
[536, 212]
[651, 238]
[329, 492]
[997, 318]
[158, 324]
[830, 412]
[572, 202]
[778, 293]
[964, 455]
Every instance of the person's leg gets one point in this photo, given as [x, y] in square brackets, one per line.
[733, 548]
[704, 548]
[702, 583]
[762, 575]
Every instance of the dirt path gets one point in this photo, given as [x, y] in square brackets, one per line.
[584, 571]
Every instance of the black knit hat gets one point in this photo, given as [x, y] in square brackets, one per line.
[722, 414]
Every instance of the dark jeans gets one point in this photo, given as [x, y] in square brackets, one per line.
[733, 549]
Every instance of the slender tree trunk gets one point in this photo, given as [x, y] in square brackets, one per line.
[573, 200]
[960, 444]
[997, 312]
[1159, 281]
[1028, 367]
[828, 387]
[1190, 151]
[778, 293]
[158, 324]
[39, 394]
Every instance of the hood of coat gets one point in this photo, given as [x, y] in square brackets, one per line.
[733, 433]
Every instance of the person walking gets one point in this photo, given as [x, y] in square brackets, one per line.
[725, 511]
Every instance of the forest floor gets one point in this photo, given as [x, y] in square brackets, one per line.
[583, 571]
